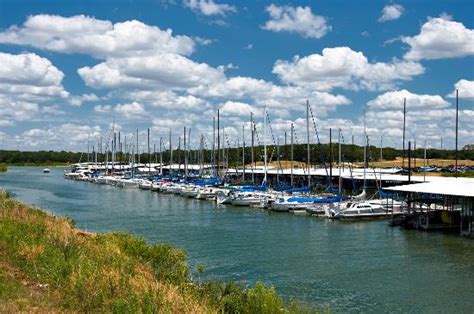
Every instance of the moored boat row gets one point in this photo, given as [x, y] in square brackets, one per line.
[327, 205]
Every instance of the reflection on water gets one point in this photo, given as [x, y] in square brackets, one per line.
[362, 266]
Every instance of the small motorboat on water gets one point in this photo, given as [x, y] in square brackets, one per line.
[189, 191]
[224, 197]
[46, 170]
[145, 185]
[206, 193]
[247, 199]
[360, 210]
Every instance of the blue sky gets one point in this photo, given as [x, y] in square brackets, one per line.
[69, 68]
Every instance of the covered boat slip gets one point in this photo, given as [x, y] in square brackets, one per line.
[439, 204]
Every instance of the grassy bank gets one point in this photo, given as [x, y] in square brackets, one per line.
[48, 265]
[3, 167]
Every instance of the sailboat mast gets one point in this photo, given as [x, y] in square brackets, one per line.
[131, 153]
[114, 152]
[330, 156]
[149, 153]
[185, 155]
[243, 152]
[214, 145]
[161, 156]
[138, 150]
[251, 150]
[179, 155]
[424, 164]
[265, 144]
[202, 155]
[307, 143]
[171, 155]
[404, 124]
[365, 151]
[218, 145]
[457, 129]
[278, 161]
[189, 150]
[88, 140]
[291, 153]
[340, 164]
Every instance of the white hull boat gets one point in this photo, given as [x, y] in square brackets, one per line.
[360, 210]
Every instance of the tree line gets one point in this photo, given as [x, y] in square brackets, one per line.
[319, 154]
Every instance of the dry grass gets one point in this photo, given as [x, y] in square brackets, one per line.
[285, 164]
[419, 162]
[398, 162]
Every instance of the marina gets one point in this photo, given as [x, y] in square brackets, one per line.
[362, 265]
[382, 204]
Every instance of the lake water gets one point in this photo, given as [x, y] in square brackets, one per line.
[351, 267]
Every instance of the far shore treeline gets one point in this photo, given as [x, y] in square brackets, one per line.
[319, 154]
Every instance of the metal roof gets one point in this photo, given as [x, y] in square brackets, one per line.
[449, 186]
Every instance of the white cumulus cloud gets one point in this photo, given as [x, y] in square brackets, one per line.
[394, 99]
[78, 100]
[98, 38]
[132, 110]
[299, 20]
[209, 7]
[235, 108]
[429, 117]
[29, 76]
[345, 68]
[440, 38]
[165, 71]
[391, 12]
[16, 110]
[465, 89]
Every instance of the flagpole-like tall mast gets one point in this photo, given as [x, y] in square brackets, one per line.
[243, 152]
[340, 164]
[278, 161]
[161, 156]
[307, 144]
[171, 155]
[185, 155]
[251, 149]
[457, 129]
[404, 125]
[149, 153]
[202, 155]
[424, 164]
[330, 156]
[188, 151]
[214, 145]
[365, 150]
[291, 153]
[138, 150]
[265, 144]
[218, 145]
[88, 144]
